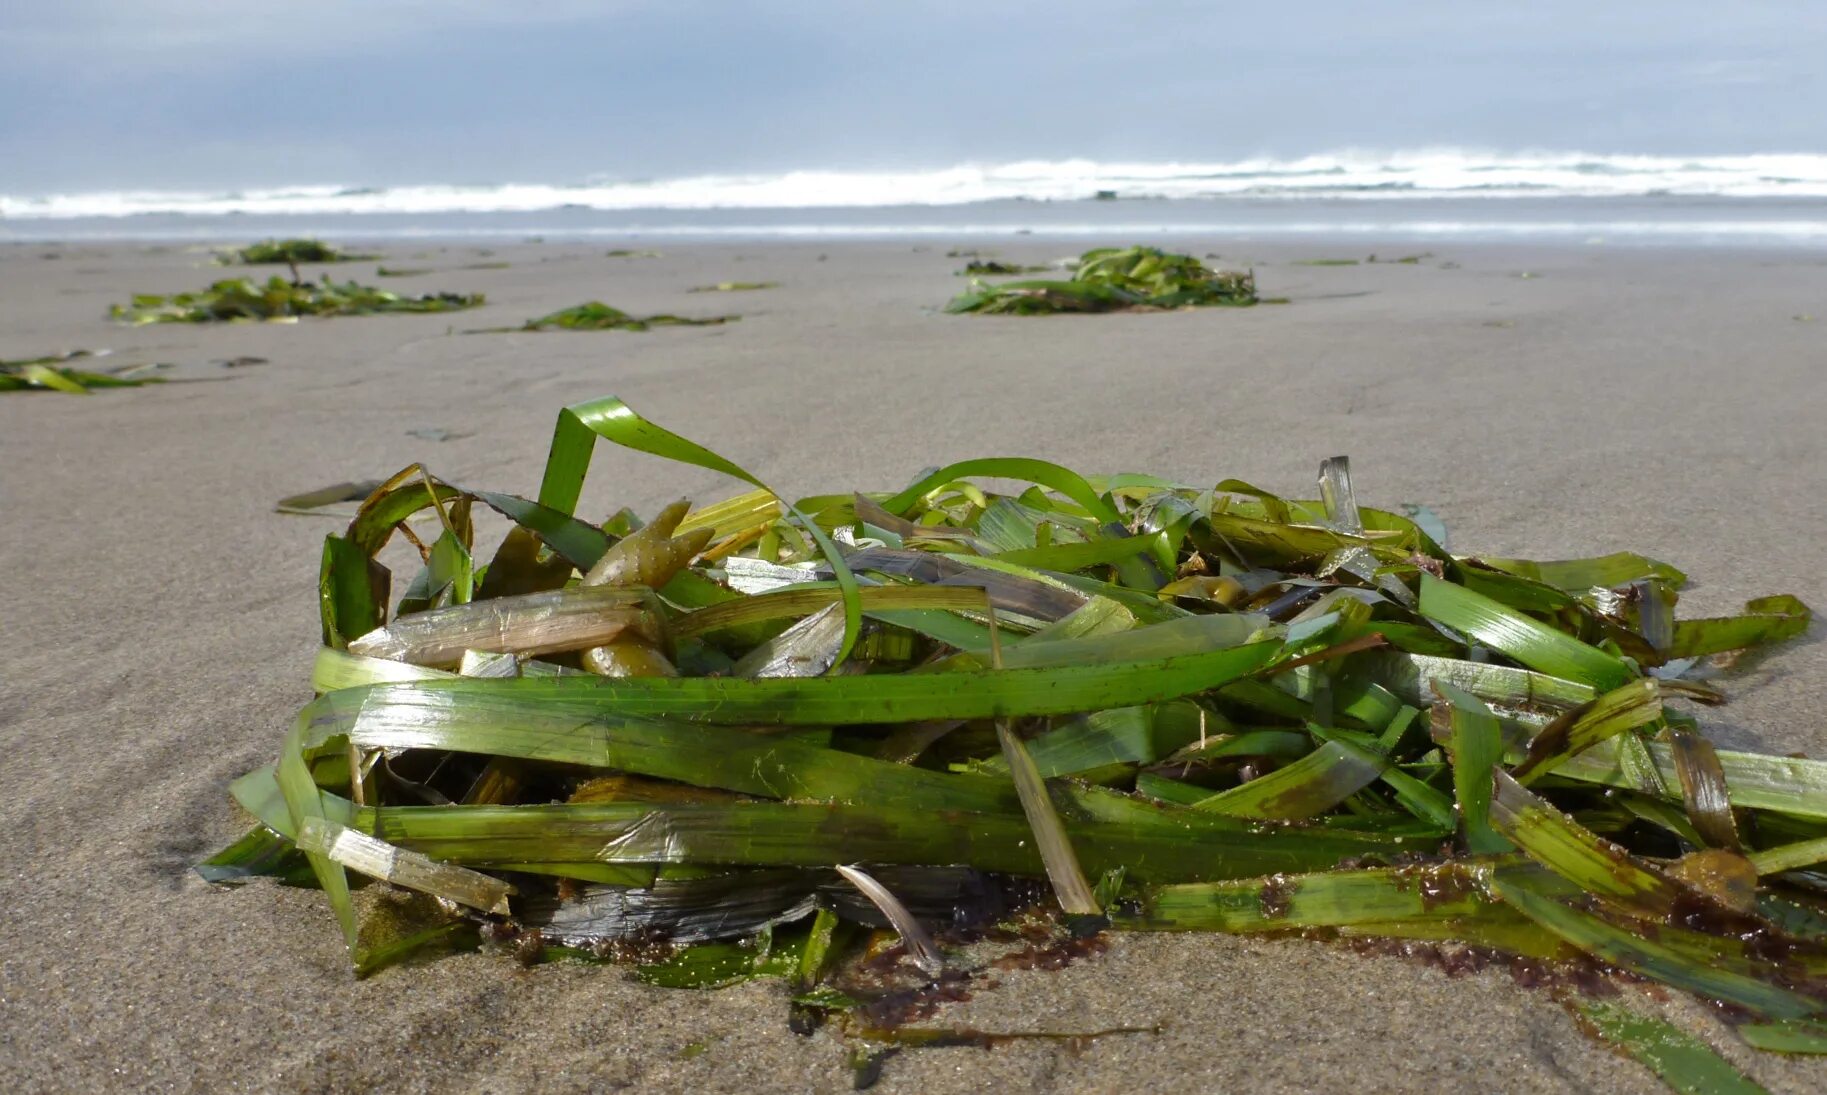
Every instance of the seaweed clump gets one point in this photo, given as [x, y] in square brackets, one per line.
[280, 301]
[743, 739]
[597, 316]
[1130, 279]
[292, 252]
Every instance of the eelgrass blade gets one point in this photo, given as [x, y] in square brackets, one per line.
[1703, 788]
[722, 905]
[808, 600]
[920, 946]
[806, 649]
[44, 376]
[1793, 1036]
[1790, 857]
[1560, 844]
[716, 965]
[1636, 704]
[1683, 1061]
[1131, 735]
[1533, 644]
[889, 698]
[352, 592]
[484, 719]
[1055, 847]
[336, 669]
[1411, 677]
[261, 853]
[1579, 575]
[1765, 620]
[1644, 956]
[1052, 476]
[577, 543]
[1335, 492]
[302, 801]
[1418, 798]
[1787, 785]
[822, 944]
[1433, 902]
[377, 859]
[1477, 748]
[1312, 785]
[1174, 638]
[531, 623]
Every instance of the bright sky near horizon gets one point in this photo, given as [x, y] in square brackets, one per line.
[113, 94]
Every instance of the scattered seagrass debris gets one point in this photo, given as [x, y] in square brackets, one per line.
[316, 503]
[282, 301]
[993, 268]
[837, 739]
[735, 287]
[49, 374]
[1129, 279]
[1372, 260]
[625, 253]
[597, 316]
[435, 433]
[288, 253]
[421, 271]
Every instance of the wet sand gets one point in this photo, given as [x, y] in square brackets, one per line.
[157, 619]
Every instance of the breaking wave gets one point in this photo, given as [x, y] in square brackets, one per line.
[1358, 176]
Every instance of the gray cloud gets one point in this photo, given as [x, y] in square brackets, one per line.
[126, 93]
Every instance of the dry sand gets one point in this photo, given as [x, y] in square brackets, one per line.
[157, 619]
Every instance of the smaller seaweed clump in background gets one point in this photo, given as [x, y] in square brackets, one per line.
[281, 301]
[290, 252]
[44, 374]
[1116, 280]
[597, 316]
[992, 268]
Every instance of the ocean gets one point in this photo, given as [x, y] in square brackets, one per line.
[1748, 200]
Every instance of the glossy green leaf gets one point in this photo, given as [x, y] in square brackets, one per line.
[1477, 747]
[1532, 643]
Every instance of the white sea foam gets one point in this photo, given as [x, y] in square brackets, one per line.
[1346, 175]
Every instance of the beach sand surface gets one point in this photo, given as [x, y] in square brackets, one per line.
[158, 619]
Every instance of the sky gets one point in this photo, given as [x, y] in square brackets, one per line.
[205, 94]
